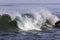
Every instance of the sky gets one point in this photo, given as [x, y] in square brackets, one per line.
[29, 1]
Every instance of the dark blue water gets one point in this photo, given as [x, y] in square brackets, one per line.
[43, 35]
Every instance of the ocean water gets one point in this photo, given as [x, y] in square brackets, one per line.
[53, 34]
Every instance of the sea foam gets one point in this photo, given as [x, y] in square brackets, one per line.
[32, 20]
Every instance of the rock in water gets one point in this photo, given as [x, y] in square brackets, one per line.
[57, 24]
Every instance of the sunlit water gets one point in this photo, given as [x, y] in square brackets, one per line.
[53, 34]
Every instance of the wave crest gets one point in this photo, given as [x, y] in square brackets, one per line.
[29, 21]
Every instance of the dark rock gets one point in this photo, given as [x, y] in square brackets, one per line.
[57, 24]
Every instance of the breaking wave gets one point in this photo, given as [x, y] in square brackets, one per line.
[32, 20]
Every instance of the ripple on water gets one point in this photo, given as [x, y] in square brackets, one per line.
[43, 35]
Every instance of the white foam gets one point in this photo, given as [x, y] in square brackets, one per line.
[29, 23]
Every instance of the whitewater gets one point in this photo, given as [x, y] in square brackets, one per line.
[33, 20]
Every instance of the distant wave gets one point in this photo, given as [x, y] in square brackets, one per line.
[17, 4]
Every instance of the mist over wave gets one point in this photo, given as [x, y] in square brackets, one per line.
[32, 20]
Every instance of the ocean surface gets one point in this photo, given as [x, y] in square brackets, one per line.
[53, 34]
